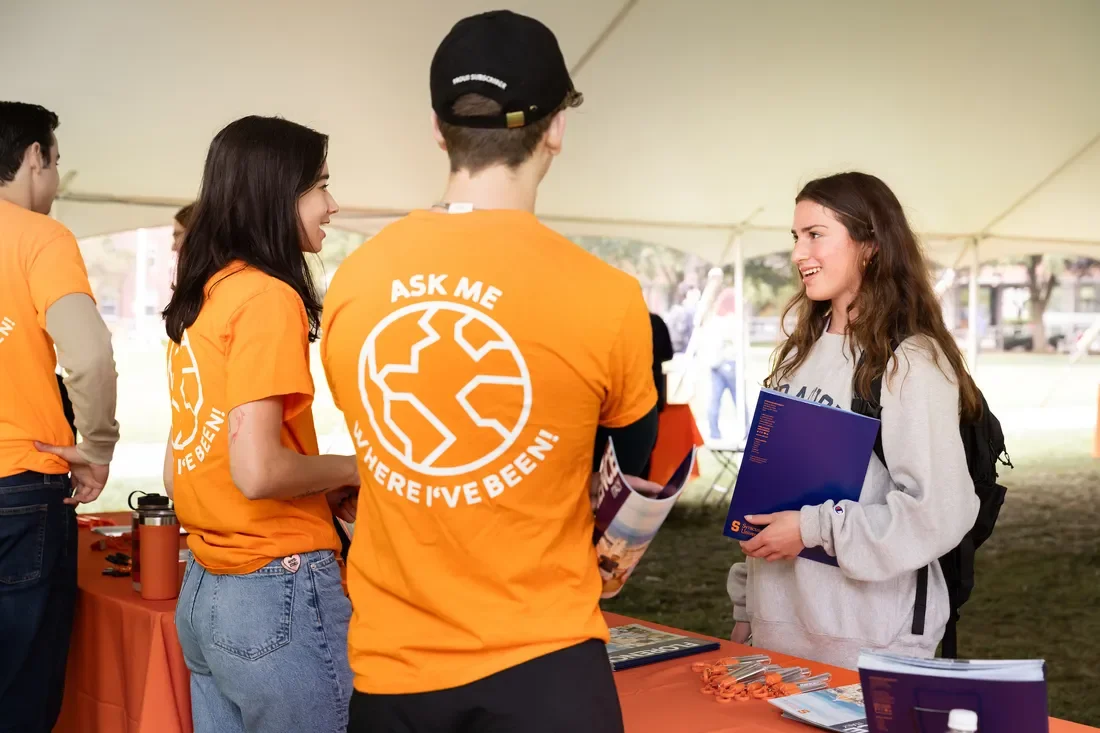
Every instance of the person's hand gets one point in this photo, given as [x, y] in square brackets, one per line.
[781, 538]
[88, 478]
[643, 487]
[742, 630]
[344, 502]
[352, 478]
[594, 490]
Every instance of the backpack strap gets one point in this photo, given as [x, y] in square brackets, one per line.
[876, 401]
[921, 606]
[873, 406]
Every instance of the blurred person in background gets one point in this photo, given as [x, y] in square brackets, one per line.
[180, 224]
[719, 334]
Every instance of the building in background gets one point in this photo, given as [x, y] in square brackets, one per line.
[131, 276]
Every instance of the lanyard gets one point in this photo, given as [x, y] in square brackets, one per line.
[454, 208]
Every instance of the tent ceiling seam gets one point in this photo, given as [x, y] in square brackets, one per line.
[598, 43]
[985, 231]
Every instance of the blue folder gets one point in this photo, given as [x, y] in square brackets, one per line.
[799, 453]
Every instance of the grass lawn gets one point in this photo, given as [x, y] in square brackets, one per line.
[1038, 577]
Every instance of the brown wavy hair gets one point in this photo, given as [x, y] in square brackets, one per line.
[896, 299]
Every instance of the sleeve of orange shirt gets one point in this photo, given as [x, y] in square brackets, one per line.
[632, 394]
[268, 352]
[54, 270]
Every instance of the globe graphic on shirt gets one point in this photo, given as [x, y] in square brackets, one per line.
[445, 387]
[185, 392]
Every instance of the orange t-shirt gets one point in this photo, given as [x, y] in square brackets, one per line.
[39, 264]
[473, 356]
[250, 342]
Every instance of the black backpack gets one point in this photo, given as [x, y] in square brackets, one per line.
[984, 444]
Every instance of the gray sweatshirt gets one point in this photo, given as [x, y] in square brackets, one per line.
[906, 518]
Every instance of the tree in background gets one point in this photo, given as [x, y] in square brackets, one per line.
[768, 280]
[1041, 279]
[1043, 273]
[769, 283]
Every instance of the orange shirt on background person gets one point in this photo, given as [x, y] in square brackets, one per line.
[249, 342]
[473, 356]
[40, 263]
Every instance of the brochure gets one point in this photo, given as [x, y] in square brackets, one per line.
[635, 645]
[838, 709]
[627, 519]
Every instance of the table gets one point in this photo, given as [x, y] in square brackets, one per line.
[126, 671]
[677, 433]
[666, 696]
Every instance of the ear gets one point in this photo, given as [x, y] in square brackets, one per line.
[555, 134]
[870, 252]
[437, 133]
[33, 156]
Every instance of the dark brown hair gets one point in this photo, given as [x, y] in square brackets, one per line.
[183, 216]
[896, 299]
[256, 170]
[475, 149]
[21, 126]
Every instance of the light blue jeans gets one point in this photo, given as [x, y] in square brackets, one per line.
[267, 650]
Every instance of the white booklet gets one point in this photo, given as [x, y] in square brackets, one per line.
[837, 709]
[627, 519]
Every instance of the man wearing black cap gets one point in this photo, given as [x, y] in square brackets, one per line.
[478, 357]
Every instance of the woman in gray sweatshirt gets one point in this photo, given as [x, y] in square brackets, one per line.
[864, 288]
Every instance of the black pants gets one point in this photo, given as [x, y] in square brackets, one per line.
[569, 691]
[37, 598]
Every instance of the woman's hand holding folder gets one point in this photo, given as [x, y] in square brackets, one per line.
[781, 538]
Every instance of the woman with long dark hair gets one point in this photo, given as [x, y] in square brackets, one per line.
[865, 290]
[262, 616]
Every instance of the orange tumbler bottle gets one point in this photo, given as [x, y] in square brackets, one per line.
[160, 555]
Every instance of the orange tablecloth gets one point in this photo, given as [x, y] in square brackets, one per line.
[126, 672]
[666, 696]
[676, 435]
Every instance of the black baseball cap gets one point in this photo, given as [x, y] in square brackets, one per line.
[509, 58]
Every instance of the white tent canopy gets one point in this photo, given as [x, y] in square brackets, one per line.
[701, 118]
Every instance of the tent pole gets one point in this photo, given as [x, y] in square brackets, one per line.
[741, 402]
[141, 295]
[972, 318]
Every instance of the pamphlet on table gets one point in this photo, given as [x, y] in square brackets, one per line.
[799, 453]
[627, 520]
[635, 645]
[838, 709]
